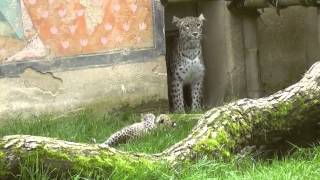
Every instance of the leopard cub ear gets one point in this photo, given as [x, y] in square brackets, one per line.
[176, 21]
[201, 17]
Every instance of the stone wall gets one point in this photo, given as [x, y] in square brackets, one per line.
[288, 45]
[110, 87]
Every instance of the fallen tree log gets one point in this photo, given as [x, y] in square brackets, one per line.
[220, 132]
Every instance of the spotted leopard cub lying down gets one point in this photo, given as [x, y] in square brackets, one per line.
[149, 122]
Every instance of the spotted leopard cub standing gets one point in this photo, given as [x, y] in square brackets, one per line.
[149, 122]
[187, 67]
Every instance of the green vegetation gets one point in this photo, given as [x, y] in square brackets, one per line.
[103, 166]
[88, 127]
[304, 164]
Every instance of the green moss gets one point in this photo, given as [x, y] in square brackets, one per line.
[3, 168]
[234, 125]
[217, 142]
[206, 145]
[3, 171]
[222, 136]
[104, 164]
[294, 110]
[107, 164]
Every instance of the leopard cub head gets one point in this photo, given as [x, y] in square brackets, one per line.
[148, 118]
[189, 27]
[165, 121]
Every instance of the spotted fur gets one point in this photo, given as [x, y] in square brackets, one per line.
[149, 122]
[187, 67]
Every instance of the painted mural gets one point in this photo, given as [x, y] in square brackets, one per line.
[45, 29]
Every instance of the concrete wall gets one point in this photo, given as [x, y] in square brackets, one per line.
[33, 92]
[288, 45]
[223, 54]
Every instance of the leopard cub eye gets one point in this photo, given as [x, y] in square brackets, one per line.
[198, 25]
[187, 26]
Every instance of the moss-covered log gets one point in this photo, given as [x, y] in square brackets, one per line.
[220, 132]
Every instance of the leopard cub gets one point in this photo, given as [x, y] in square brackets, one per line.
[187, 67]
[149, 122]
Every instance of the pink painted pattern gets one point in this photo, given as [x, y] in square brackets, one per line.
[70, 28]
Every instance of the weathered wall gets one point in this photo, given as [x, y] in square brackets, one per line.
[110, 87]
[288, 45]
[58, 55]
[223, 52]
[231, 51]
